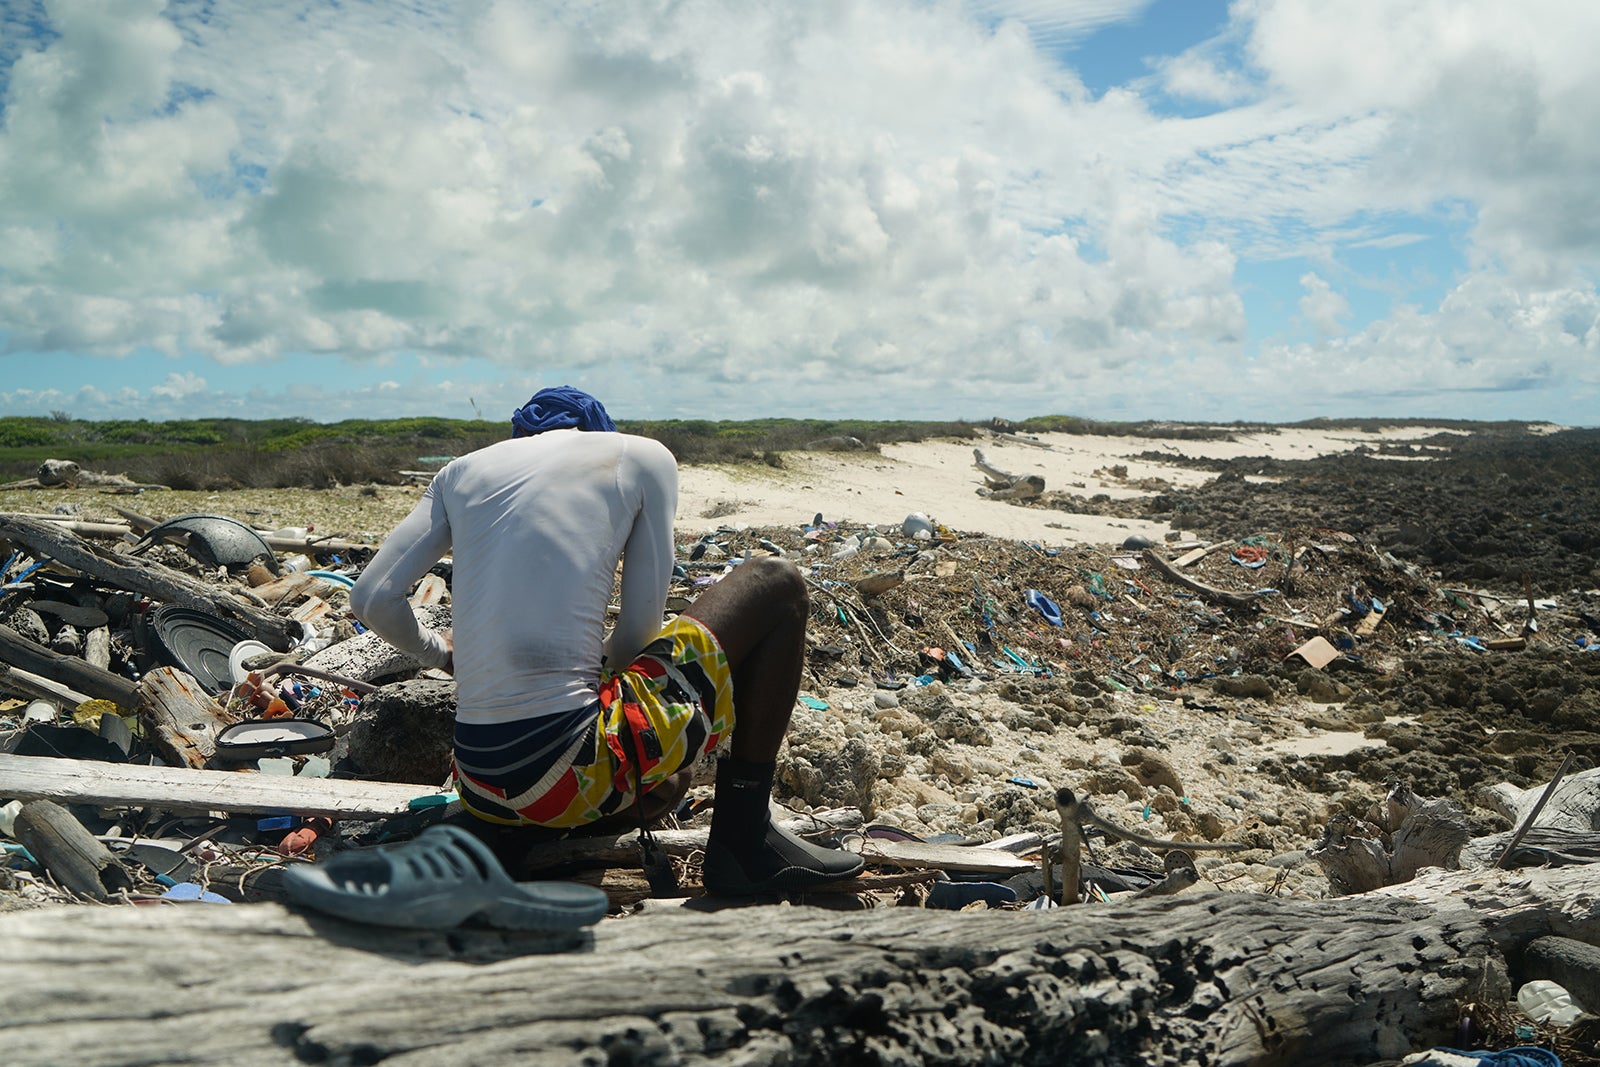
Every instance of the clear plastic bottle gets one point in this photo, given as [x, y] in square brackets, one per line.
[1548, 1004]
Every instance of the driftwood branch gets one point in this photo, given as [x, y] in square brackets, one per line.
[1213, 978]
[142, 576]
[70, 672]
[1003, 485]
[1210, 592]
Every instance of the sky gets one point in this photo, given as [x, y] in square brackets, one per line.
[921, 209]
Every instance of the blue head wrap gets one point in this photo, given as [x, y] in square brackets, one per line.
[560, 407]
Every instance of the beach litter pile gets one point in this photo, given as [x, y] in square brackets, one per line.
[191, 710]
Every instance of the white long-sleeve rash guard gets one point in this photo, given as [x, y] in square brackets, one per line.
[537, 525]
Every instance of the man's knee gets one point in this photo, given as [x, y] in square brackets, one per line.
[781, 583]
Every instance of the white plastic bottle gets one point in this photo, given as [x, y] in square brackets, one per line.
[1548, 1004]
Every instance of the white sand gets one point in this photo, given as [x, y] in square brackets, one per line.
[938, 479]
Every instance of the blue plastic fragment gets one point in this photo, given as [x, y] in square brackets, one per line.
[14, 849]
[191, 891]
[276, 822]
[1044, 606]
[1026, 783]
[432, 800]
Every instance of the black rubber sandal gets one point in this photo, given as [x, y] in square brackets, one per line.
[443, 878]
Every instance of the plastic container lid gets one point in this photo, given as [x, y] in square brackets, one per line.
[197, 642]
[242, 651]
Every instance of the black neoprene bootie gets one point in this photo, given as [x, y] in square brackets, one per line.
[750, 855]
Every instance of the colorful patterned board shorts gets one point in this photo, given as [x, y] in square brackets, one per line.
[569, 769]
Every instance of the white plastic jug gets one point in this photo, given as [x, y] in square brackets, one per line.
[1548, 1004]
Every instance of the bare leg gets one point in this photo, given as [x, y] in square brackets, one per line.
[758, 614]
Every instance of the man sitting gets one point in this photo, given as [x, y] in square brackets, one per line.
[558, 725]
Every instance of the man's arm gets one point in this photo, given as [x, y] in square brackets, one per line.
[647, 556]
[379, 597]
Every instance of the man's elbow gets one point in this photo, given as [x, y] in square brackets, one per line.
[362, 596]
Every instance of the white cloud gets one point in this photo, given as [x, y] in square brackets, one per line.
[1322, 306]
[180, 385]
[1198, 76]
[1489, 102]
[839, 207]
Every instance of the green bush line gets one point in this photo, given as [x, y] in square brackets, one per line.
[284, 453]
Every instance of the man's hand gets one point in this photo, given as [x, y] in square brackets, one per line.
[450, 647]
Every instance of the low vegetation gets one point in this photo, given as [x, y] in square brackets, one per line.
[213, 454]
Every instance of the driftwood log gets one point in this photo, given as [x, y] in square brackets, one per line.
[74, 856]
[183, 790]
[1405, 834]
[1210, 592]
[1213, 978]
[66, 473]
[37, 687]
[1003, 485]
[1573, 805]
[143, 576]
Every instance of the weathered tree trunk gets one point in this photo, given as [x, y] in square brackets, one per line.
[1208, 978]
[1573, 805]
[1408, 834]
[71, 853]
[1003, 485]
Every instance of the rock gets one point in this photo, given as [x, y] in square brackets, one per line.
[1318, 686]
[27, 622]
[842, 777]
[1245, 685]
[1152, 771]
[962, 727]
[405, 732]
[1105, 781]
[900, 721]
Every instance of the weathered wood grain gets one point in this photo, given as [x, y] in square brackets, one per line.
[182, 789]
[1210, 978]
